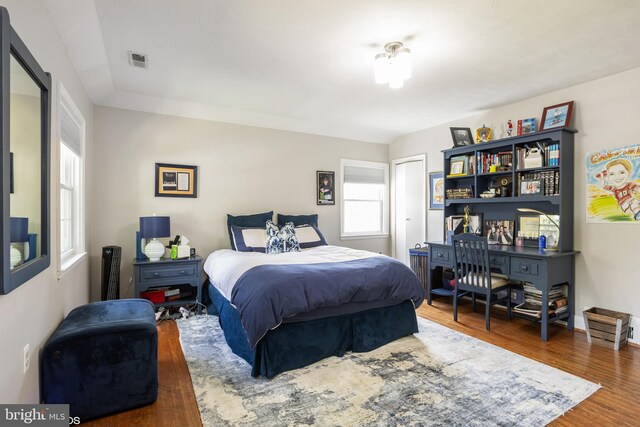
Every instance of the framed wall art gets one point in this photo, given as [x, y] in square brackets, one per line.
[326, 188]
[436, 190]
[557, 116]
[176, 180]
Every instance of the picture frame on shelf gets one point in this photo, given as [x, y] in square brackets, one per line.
[531, 187]
[436, 190]
[456, 167]
[173, 180]
[462, 137]
[499, 232]
[557, 116]
[325, 187]
[531, 226]
[455, 224]
[483, 134]
[527, 126]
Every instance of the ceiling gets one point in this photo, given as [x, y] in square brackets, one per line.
[307, 66]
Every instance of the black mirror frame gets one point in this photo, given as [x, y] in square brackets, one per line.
[10, 43]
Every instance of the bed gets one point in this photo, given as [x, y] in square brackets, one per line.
[285, 311]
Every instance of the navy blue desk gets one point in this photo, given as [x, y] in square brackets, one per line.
[543, 269]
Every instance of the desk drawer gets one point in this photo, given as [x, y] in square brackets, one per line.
[498, 260]
[161, 273]
[441, 255]
[525, 267]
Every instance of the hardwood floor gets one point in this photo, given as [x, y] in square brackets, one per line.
[176, 404]
[617, 403]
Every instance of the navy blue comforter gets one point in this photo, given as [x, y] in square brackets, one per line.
[266, 294]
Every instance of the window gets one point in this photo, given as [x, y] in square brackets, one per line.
[365, 194]
[71, 181]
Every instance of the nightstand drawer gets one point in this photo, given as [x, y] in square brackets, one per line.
[525, 267]
[150, 273]
[441, 255]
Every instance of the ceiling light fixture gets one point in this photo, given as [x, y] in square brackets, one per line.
[393, 66]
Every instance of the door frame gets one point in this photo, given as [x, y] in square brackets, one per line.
[392, 201]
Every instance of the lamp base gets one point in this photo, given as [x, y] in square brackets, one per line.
[154, 250]
[15, 257]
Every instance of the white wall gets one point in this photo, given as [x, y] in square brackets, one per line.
[29, 314]
[605, 115]
[242, 170]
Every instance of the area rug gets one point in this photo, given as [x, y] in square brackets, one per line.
[437, 377]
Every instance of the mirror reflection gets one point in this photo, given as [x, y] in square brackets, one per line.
[25, 146]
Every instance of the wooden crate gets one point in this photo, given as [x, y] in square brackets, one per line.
[606, 327]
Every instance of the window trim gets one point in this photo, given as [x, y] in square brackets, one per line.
[385, 200]
[73, 256]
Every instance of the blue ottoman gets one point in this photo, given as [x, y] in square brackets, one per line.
[103, 358]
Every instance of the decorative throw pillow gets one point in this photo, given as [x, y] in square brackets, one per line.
[289, 240]
[281, 240]
[274, 241]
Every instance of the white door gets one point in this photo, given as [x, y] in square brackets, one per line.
[409, 205]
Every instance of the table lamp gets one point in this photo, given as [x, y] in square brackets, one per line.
[555, 246]
[19, 234]
[152, 227]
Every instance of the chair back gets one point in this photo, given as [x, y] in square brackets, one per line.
[471, 255]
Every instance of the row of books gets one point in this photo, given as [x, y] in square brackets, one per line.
[459, 193]
[501, 161]
[532, 306]
[549, 182]
[550, 155]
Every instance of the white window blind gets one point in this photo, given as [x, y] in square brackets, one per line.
[365, 190]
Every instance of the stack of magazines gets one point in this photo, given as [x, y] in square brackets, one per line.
[532, 305]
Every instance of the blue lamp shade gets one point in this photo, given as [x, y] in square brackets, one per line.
[19, 229]
[154, 226]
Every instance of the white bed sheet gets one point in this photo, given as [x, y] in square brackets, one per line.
[225, 266]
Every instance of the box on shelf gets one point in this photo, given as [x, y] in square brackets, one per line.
[155, 296]
[607, 328]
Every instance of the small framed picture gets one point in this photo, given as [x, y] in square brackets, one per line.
[529, 187]
[557, 116]
[176, 180]
[499, 232]
[529, 229]
[457, 167]
[526, 126]
[325, 187]
[461, 137]
[436, 190]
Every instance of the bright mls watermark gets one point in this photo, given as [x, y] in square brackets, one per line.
[36, 415]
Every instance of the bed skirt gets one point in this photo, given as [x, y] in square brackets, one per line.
[294, 345]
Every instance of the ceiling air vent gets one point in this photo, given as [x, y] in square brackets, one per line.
[139, 60]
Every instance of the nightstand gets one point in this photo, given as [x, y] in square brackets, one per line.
[182, 274]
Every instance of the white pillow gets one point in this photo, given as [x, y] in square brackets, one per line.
[310, 236]
[247, 239]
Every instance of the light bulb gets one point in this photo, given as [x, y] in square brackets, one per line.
[402, 63]
[381, 68]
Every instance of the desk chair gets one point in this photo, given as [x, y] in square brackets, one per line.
[473, 274]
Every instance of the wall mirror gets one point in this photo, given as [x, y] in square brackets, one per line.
[25, 124]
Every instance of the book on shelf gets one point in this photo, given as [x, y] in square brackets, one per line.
[550, 181]
[502, 160]
[532, 306]
[550, 154]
